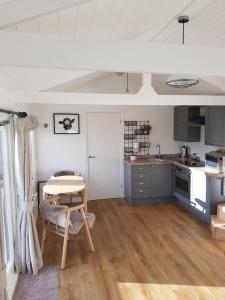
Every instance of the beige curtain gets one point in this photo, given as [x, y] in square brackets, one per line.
[28, 257]
[3, 292]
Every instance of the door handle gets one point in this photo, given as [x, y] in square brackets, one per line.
[91, 156]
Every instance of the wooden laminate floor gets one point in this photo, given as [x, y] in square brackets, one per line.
[154, 251]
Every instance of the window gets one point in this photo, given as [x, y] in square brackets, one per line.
[8, 201]
[4, 201]
[6, 247]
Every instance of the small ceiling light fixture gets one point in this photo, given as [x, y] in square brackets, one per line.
[182, 81]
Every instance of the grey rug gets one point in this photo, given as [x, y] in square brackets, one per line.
[43, 286]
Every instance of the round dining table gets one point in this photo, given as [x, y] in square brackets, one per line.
[69, 184]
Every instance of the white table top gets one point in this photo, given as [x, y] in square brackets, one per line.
[64, 184]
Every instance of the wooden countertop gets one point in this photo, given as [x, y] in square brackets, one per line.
[173, 159]
[152, 160]
[209, 171]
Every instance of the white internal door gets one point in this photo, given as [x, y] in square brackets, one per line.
[104, 155]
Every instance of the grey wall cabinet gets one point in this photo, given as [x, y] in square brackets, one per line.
[161, 180]
[215, 126]
[185, 127]
[147, 183]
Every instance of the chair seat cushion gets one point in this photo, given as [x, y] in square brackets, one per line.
[76, 221]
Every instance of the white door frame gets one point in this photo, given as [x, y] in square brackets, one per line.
[121, 144]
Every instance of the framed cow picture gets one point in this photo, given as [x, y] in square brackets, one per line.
[66, 123]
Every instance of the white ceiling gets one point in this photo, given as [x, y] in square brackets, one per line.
[4, 1]
[101, 83]
[112, 83]
[147, 20]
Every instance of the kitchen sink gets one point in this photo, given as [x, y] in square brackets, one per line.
[156, 159]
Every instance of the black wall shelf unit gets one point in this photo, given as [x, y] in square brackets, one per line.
[136, 132]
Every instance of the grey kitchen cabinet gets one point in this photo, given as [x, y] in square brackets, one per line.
[137, 183]
[215, 126]
[185, 127]
[147, 183]
[161, 180]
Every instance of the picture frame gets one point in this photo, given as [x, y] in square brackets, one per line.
[41, 184]
[66, 123]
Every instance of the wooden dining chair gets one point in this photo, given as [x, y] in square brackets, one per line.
[65, 222]
[65, 173]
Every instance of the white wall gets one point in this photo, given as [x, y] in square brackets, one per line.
[58, 152]
[6, 102]
[6, 99]
[201, 148]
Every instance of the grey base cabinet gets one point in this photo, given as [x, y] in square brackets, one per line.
[161, 180]
[203, 201]
[147, 183]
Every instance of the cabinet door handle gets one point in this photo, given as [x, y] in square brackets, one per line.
[140, 168]
[140, 191]
[141, 183]
[141, 176]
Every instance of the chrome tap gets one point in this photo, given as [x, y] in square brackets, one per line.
[159, 153]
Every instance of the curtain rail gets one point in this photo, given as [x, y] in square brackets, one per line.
[17, 113]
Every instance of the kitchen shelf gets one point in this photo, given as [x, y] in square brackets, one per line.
[135, 132]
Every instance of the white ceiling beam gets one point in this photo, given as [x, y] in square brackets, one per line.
[17, 11]
[53, 51]
[146, 98]
[147, 84]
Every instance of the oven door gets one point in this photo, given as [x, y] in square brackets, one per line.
[182, 184]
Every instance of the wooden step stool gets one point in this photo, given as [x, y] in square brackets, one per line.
[221, 212]
[218, 223]
[218, 228]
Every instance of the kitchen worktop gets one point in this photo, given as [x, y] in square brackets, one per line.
[173, 159]
[165, 159]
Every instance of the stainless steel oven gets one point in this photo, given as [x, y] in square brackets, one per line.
[182, 181]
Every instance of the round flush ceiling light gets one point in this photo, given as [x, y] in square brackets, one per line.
[182, 81]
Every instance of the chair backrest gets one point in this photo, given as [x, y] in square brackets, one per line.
[51, 211]
[65, 173]
[55, 216]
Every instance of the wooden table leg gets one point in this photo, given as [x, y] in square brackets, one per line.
[85, 199]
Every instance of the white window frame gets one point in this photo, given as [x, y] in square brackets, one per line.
[10, 194]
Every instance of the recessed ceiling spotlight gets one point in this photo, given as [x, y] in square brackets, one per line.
[182, 81]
